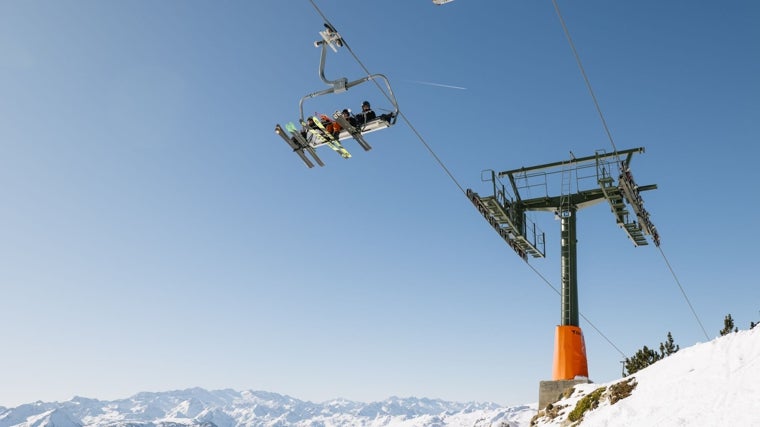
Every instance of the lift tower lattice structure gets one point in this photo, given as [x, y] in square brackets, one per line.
[584, 182]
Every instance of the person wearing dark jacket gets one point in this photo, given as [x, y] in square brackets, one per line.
[366, 115]
[349, 118]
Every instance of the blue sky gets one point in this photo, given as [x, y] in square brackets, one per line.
[158, 235]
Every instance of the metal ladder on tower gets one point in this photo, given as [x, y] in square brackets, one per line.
[564, 211]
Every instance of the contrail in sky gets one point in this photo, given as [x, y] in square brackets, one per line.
[437, 84]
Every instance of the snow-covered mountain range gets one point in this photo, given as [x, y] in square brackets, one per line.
[228, 408]
[709, 384]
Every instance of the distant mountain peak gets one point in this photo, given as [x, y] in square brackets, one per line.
[198, 407]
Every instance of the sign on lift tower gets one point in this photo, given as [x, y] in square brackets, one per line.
[584, 182]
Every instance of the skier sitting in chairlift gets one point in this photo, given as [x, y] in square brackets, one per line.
[332, 127]
[367, 115]
[328, 124]
[347, 115]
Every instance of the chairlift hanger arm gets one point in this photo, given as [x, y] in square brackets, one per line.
[338, 85]
[331, 37]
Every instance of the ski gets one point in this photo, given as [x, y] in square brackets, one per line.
[295, 145]
[318, 138]
[351, 130]
[301, 139]
[333, 142]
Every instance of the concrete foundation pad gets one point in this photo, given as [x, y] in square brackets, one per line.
[551, 391]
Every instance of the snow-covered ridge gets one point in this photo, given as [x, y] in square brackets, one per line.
[227, 408]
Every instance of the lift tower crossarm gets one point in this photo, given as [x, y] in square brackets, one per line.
[629, 152]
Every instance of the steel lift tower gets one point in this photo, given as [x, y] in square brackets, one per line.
[584, 182]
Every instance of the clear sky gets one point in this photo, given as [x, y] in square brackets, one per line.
[156, 233]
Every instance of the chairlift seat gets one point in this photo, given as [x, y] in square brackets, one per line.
[371, 126]
[368, 127]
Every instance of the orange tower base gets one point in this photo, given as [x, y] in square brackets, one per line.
[569, 354]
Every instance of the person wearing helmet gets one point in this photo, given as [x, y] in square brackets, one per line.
[349, 118]
[366, 115]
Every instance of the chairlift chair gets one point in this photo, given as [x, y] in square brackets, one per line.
[299, 143]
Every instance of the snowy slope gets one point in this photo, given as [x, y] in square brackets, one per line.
[710, 384]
